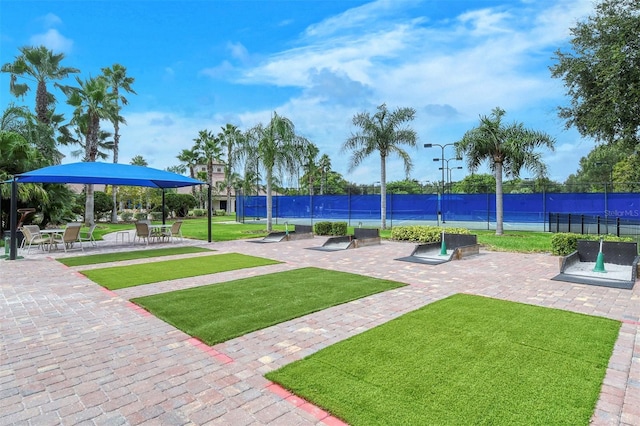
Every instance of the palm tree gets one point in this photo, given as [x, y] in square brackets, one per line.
[117, 78]
[209, 150]
[189, 158]
[41, 135]
[507, 149]
[382, 132]
[309, 158]
[17, 156]
[325, 167]
[279, 149]
[231, 138]
[92, 102]
[79, 127]
[41, 65]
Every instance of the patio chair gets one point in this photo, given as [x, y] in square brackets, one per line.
[87, 236]
[69, 237]
[32, 235]
[143, 232]
[173, 232]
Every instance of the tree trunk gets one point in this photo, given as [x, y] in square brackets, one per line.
[383, 192]
[499, 201]
[42, 103]
[116, 142]
[89, 206]
[269, 201]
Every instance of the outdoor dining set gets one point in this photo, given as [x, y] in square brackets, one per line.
[73, 235]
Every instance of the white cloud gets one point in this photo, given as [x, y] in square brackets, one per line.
[51, 20]
[53, 40]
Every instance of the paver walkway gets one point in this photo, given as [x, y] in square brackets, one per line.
[74, 353]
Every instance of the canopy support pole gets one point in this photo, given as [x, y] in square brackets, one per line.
[13, 220]
[209, 210]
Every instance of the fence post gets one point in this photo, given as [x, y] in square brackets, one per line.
[598, 224]
[569, 223]
[582, 224]
[618, 226]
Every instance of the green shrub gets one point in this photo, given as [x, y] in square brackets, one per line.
[565, 243]
[330, 228]
[141, 216]
[199, 212]
[339, 228]
[322, 228]
[221, 212]
[156, 215]
[423, 234]
[126, 216]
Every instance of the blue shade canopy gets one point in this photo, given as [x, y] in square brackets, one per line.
[107, 174]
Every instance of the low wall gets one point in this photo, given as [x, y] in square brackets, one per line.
[366, 237]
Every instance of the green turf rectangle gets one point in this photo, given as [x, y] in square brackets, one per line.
[129, 255]
[463, 360]
[118, 277]
[219, 312]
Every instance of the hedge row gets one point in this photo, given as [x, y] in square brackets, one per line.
[423, 234]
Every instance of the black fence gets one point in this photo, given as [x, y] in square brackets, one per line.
[593, 224]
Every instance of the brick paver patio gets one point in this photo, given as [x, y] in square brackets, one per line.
[74, 353]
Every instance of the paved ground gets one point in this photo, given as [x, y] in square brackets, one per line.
[74, 353]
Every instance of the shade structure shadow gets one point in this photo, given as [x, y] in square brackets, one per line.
[619, 269]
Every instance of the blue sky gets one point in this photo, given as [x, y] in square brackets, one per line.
[201, 64]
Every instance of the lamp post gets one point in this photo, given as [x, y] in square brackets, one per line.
[442, 147]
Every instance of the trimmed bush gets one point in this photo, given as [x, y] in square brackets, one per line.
[156, 215]
[141, 216]
[564, 243]
[221, 212]
[199, 212]
[339, 228]
[423, 234]
[330, 228]
[126, 216]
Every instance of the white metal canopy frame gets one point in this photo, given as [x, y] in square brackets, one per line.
[98, 173]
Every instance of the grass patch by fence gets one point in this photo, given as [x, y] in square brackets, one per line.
[129, 255]
[118, 277]
[462, 360]
[220, 312]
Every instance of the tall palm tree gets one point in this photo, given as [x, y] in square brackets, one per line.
[231, 138]
[41, 65]
[117, 78]
[383, 132]
[279, 149]
[93, 102]
[507, 149]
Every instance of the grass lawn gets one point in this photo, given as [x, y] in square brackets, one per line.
[220, 312]
[462, 360]
[198, 229]
[118, 277]
[128, 255]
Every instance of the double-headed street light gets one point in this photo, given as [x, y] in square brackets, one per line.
[442, 147]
